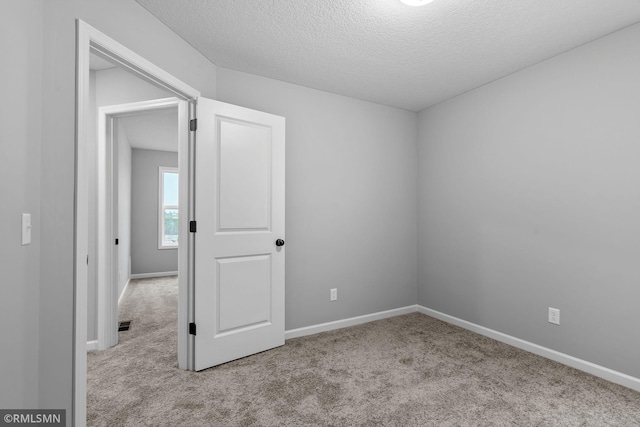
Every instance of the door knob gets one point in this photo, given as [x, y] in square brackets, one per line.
[279, 242]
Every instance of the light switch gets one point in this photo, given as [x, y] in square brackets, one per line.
[26, 229]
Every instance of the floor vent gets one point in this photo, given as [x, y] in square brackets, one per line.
[124, 326]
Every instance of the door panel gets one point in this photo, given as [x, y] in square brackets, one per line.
[245, 176]
[244, 292]
[239, 199]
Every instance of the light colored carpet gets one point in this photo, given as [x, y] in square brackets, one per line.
[409, 370]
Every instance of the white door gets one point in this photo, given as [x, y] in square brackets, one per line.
[239, 252]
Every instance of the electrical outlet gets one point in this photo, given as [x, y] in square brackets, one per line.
[334, 294]
[554, 316]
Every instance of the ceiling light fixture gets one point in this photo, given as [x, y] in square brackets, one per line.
[416, 2]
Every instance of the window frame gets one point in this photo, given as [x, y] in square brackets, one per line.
[162, 207]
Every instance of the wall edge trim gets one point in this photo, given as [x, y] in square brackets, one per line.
[149, 275]
[568, 360]
[345, 323]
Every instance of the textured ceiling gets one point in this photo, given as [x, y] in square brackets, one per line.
[157, 130]
[384, 51]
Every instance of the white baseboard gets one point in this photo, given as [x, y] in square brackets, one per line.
[344, 323]
[92, 345]
[582, 365]
[148, 275]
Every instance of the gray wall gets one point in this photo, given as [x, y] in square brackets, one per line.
[145, 255]
[118, 86]
[351, 205]
[530, 198]
[528, 195]
[128, 23]
[20, 133]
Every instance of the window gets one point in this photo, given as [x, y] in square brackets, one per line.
[168, 212]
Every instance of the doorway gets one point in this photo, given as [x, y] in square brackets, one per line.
[135, 141]
[91, 41]
[240, 277]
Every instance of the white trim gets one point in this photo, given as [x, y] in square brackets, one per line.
[582, 365]
[88, 40]
[106, 47]
[141, 107]
[186, 254]
[123, 291]
[345, 323]
[185, 284]
[106, 259]
[92, 345]
[148, 275]
[107, 224]
[81, 224]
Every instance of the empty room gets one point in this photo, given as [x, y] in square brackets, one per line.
[388, 212]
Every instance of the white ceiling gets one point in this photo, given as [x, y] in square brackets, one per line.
[157, 130]
[384, 51]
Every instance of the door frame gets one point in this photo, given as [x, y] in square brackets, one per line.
[90, 40]
[108, 230]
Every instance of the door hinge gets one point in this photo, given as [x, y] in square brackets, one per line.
[193, 125]
[116, 241]
[192, 328]
[192, 226]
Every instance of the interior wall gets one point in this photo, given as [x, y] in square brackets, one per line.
[116, 86]
[351, 205]
[124, 208]
[20, 131]
[529, 199]
[352, 176]
[146, 257]
[128, 23]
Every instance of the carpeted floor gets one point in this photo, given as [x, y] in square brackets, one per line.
[409, 370]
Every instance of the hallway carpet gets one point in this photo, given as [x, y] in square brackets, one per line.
[409, 370]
